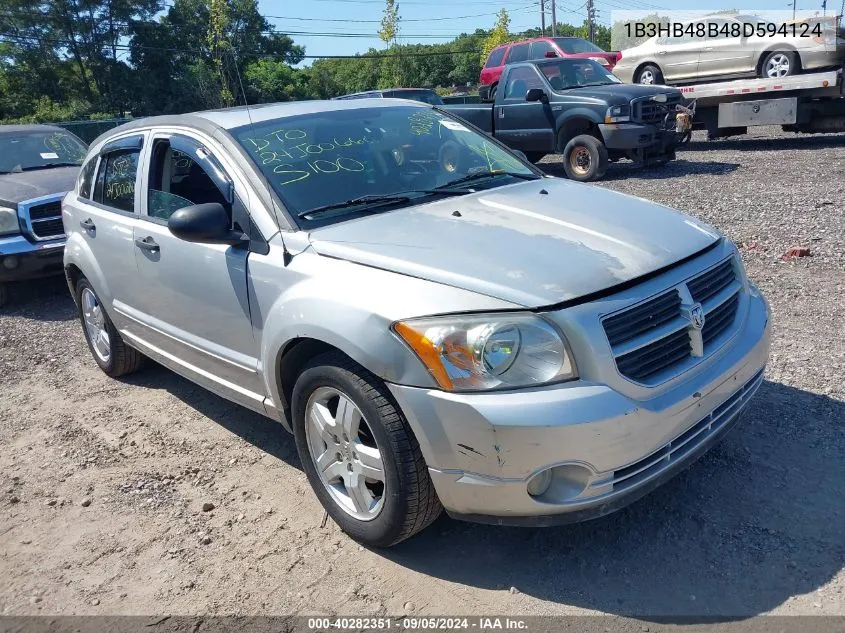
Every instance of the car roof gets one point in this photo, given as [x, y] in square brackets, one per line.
[30, 127]
[230, 118]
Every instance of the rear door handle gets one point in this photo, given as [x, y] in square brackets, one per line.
[147, 244]
[88, 225]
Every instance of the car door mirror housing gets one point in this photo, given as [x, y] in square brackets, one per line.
[206, 224]
[536, 94]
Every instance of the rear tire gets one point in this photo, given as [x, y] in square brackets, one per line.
[372, 477]
[778, 64]
[649, 75]
[585, 158]
[113, 356]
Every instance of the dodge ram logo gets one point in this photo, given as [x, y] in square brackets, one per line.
[695, 315]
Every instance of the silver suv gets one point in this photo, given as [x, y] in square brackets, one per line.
[437, 323]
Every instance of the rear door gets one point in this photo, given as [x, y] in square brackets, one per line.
[106, 218]
[193, 300]
[722, 54]
[523, 125]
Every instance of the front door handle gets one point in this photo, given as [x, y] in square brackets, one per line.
[147, 244]
[88, 225]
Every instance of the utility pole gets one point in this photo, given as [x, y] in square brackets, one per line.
[554, 19]
[591, 20]
[543, 17]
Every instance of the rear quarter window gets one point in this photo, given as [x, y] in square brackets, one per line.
[519, 53]
[497, 55]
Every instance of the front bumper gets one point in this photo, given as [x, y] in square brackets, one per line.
[607, 449]
[20, 259]
[637, 140]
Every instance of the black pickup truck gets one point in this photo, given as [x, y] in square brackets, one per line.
[576, 108]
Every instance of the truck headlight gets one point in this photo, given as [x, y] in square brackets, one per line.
[618, 114]
[478, 352]
[9, 221]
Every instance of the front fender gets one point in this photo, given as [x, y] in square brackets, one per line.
[350, 307]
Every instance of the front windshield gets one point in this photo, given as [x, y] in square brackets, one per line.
[575, 45]
[327, 158]
[564, 74]
[39, 149]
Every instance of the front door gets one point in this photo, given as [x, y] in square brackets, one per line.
[520, 124]
[678, 57]
[194, 301]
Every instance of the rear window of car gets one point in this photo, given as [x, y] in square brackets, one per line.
[497, 55]
[519, 53]
[575, 45]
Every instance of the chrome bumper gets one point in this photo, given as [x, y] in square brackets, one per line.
[483, 449]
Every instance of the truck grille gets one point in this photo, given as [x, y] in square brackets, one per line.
[648, 111]
[656, 337]
[42, 218]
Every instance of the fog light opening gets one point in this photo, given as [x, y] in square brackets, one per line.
[10, 262]
[539, 483]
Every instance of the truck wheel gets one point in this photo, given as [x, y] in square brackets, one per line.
[649, 74]
[779, 64]
[113, 356]
[585, 158]
[359, 454]
[4, 295]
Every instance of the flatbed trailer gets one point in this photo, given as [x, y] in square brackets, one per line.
[810, 102]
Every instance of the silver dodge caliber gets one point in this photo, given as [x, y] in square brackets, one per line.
[438, 324]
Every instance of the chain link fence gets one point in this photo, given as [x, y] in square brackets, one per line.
[89, 130]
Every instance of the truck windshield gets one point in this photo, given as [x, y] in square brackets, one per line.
[39, 149]
[351, 160]
[564, 74]
[423, 96]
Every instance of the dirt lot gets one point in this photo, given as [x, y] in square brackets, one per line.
[103, 482]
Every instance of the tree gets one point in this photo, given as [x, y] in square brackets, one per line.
[389, 30]
[391, 70]
[498, 35]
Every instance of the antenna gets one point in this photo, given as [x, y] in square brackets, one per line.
[286, 256]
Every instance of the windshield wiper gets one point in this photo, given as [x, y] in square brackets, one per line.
[483, 175]
[48, 166]
[376, 200]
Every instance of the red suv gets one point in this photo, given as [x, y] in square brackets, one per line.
[537, 48]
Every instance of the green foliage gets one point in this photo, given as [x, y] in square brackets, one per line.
[389, 22]
[271, 80]
[498, 35]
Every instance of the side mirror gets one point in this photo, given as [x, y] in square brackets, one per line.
[536, 94]
[205, 224]
[550, 54]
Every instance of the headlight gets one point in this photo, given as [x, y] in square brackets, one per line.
[9, 221]
[618, 114]
[488, 351]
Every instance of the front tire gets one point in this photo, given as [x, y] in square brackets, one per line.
[113, 356]
[585, 158]
[649, 75]
[779, 64]
[359, 454]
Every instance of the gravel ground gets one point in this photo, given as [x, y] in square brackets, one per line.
[103, 483]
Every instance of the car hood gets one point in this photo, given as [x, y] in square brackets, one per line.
[26, 185]
[622, 93]
[534, 243]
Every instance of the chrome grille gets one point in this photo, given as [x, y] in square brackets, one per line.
[686, 442]
[656, 337]
[42, 217]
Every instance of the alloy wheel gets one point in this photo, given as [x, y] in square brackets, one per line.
[345, 454]
[95, 325]
[777, 66]
[647, 77]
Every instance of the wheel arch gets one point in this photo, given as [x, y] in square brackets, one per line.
[577, 123]
[642, 65]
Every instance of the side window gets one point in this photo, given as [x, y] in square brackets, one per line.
[177, 181]
[520, 81]
[539, 49]
[86, 178]
[115, 185]
[497, 55]
[519, 53]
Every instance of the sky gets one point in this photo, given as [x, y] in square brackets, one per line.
[334, 26]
